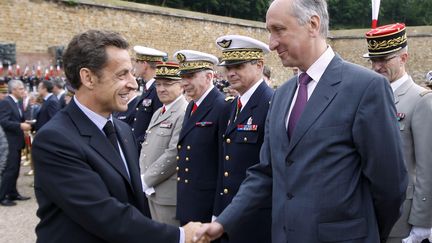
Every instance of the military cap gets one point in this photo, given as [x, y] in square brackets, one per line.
[193, 61]
[167, 70]
[149, 54]
[3, 87]
[238, 49]
[385, 40]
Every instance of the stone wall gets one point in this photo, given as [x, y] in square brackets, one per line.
[36, 25]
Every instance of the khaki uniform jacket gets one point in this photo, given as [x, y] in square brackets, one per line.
[159, 150]
[414, 107]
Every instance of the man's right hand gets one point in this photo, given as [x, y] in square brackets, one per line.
[212, 230]
[25, 126]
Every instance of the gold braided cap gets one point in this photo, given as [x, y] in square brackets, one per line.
[147, 58]
[168, 70]
[195, 65]
[242, 54]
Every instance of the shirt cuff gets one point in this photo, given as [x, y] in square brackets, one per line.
[182, 235]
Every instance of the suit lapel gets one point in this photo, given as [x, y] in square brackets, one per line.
[323, 94]
[403, 89]
[14, 108]
[202, 110]
[97, 139]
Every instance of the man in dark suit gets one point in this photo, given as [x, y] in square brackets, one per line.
[332, 155]
[87, 178]
[50, 105]
[12, 121]
[145, 68]
[245, 132]
[200, 141]
[59, 91]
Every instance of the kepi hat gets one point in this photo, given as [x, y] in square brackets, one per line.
[167, 70]
[149, 54]
[237, 49]
[193, 61]
[386, 40]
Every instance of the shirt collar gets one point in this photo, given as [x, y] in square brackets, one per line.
[200, 100]
[60, 94]
[248, 94]
[13, 98]
[149, 83]
[320, 65]
[396, 84]
[167, 107]
[47, 96]
[97, 119]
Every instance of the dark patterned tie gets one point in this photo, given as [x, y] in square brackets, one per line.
[111, 135]
[300, 102]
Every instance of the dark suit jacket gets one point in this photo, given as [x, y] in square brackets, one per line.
[10, 120]
[341, 177]
[62, 101]
[242, 143]
[82, 188]
[48, 109]
[199, 149]
[148, 103]
[128, 116]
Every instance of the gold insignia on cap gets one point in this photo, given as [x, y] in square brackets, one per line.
[167, 70]
[181, 57]
[224, 43]
[195, 65]
[147, 58]
[242, 54]
[375, 45]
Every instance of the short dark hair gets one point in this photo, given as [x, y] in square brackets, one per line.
[88, 50]
[48, 84]
[59, 83]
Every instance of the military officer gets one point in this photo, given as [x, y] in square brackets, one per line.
[242, 58]
[200, 140]
[159, 150]
[128, 116]
[148, 102]
[388, 54]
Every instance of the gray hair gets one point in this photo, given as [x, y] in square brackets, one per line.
[303, 10]
[13, 84]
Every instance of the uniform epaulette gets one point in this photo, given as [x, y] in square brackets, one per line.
[425, 93]
[229, 98]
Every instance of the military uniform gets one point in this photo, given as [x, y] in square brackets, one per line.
[128, 116]
[242, 143]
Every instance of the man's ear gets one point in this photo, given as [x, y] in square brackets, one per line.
[87, 78]
[315, 25]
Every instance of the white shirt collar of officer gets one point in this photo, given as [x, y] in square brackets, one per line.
[47, 96]
[167, 107]
[248, 94]
[149, 83]
[200, 100]
[396, 84]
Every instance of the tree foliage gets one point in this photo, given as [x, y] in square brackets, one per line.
[343, 13]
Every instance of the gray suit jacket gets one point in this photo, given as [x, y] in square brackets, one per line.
[159, 150]
[414, 107]
[341, 177]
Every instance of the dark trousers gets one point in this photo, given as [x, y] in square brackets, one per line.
[10, 174]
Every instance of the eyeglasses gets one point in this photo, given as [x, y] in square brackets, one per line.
[166, 84]
[381, 59]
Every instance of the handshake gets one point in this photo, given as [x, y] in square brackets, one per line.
[196, 232]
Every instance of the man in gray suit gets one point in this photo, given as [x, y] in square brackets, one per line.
[332, 154]
[414, 113]
[159, 149]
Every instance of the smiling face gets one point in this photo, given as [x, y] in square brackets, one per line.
[110, 89]
[168, 90]
[243, 76]
[196, 84]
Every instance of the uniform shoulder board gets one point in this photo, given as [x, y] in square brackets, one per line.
[425, 93]
[229, 98]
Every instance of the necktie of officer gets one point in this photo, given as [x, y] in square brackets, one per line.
[163, 110]
[194, 108]
[300, 102]
[238, 108]
[111, 135]
[19, 109]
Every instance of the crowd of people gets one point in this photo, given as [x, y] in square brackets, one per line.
[338, 153]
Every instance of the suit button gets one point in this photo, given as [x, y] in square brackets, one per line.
[289, 196]
[178, 178]
[225, 191]
[226, 174]
[178, 157]
[187, 170]
[177, 168]
[179, 146]
[186, 181]
[245, 139]
[137, 109]
[187, 159]
[134, 119]
[227, 157]
[145, 109]
[228, 140]
[424, 199]
[188, 147]
[133, 129]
